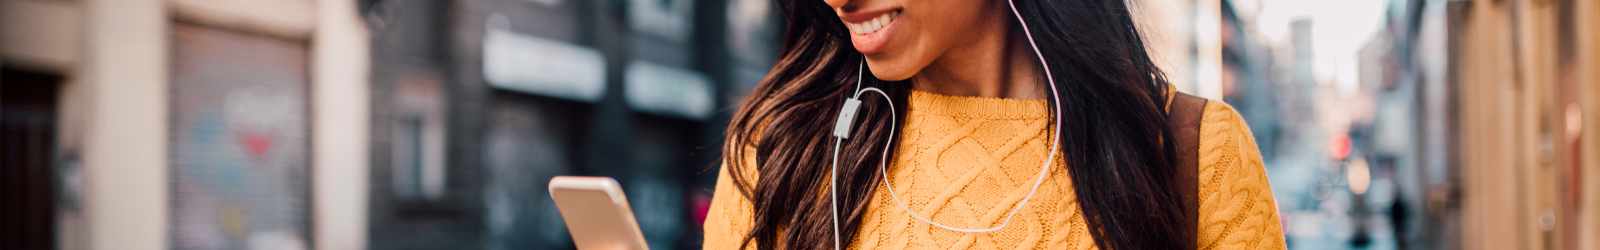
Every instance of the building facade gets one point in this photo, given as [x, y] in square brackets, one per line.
[1526, 109]
[192, 124]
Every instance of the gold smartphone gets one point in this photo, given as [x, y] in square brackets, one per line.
[597, 213]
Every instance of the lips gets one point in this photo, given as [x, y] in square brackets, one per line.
[870, 31]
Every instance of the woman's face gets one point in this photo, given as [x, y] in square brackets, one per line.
[902, 37]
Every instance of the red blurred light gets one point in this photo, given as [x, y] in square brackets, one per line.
[1341, 147]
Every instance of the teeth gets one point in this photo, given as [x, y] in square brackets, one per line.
[873, 25]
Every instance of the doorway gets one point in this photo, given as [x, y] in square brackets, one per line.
[28, 111]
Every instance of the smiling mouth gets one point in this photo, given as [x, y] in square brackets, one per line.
[873, 25]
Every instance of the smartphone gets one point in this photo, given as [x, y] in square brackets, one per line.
[596, 212]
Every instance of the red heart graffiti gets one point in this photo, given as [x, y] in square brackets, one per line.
[255, 143]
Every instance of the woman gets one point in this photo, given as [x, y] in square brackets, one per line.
[1033, 126]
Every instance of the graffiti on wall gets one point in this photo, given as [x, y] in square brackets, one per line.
[240, 141]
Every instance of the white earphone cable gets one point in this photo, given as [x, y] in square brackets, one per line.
[1044, 169]
[833, 172]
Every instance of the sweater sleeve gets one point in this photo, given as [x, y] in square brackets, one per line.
[1237, 209]
[730, 215]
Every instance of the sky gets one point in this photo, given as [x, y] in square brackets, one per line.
[1339, 28]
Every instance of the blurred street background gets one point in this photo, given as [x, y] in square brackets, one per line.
[422, 124]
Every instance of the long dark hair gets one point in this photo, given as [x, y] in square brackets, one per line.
[1112, 100]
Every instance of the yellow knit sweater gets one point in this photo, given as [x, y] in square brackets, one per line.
[965, 161]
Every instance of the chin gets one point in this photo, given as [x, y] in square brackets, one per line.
[889, 71]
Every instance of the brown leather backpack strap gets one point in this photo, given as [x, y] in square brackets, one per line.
[1183, 117]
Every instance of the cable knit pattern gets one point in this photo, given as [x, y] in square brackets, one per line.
[1237, 210]
[966, 161]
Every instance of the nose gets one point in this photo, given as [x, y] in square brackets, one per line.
[837, 4]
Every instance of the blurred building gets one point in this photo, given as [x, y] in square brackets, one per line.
[1401, 140]
[363, 124]
[1466, 126]
[1184, 39]
[1527, 73]
[151, 124]
[478, 103]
